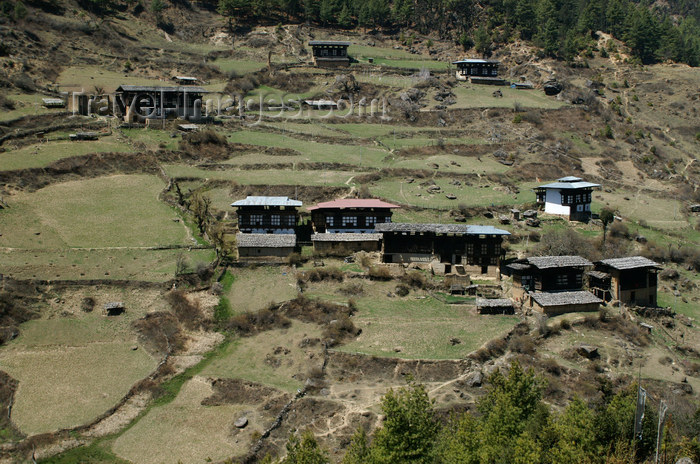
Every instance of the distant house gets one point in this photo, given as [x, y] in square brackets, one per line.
[185, 80]
[267, 215]
[346, 226]
[142, 102]
[53, 102]
[547, 274]
[444, 248]
[479, 71]
[330, 53]
[265, 245]
[568, 196]
[553, 304]
[494, 306]
[631, 280]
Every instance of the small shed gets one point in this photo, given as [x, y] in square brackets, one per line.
[114, 308]
[553, 304]
[265, 245]
[185, 80]
[494, 306]
[321, 104]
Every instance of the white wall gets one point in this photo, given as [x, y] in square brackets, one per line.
[553, 204]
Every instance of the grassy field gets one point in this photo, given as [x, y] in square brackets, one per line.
[80, 264]
[256, 288]
[421, 328]
[27, 105]
[264, 176]
[238, 66]
[153, 139]
[44, 153]
[480, 96]
[72, 365]
[86, 78]
[185, 431]
[98, 212]
[249, 358]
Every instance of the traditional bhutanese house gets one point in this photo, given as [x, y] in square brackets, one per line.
[267, 215]
[569, 196]
[630, 280]
[345, 226]
[53, 102]
[265, 245]
[444, 248]
[479, 71]
[142, 102]
[547, 274]
[494, 306]
[330, 53]
[553, 304]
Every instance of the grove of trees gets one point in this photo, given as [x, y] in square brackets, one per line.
[512, 424]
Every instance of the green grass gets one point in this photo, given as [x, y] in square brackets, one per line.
[667, 300]
[113, 211]
[27, 105]
[256, 288]
[264, 176]
[94, 453]
[358, 51]
[416, 64]
[83, 264]
[42, 154]
[240, 67]
[480, 96]
[153, 139]
[421, 328]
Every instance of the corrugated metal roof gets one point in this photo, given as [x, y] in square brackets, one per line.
[266, 201]
[459, 229]
[266, 240]
[342, 237]
[354, 203]
[493, 302]
[158, 88]
[476, 61]
[548, 262]
[631, 262]
[569, 185]
[329, 42]
[569, 179]
[565, 298]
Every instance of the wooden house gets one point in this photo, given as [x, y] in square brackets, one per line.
[330, 53]
[185, 80]
[569, 196]
[553, 304]
[547, 274]
[267, 215]
[444, 248]
[265, 245]
[345, 226]
[479, 71]
[138, 103]
[630, 280]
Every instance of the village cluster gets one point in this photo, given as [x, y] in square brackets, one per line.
[549, 284]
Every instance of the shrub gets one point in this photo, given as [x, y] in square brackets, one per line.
[402, 290]
[321, 274]
[607, 132]
[353, 288]
[88, 304]
[379, 272]
[187, 312]
[294, 259]
[517, 119]
[415, 279]
[522, 344]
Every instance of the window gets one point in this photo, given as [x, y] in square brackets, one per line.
[290, 221]
[562, 280]
[579, 208]
[256, 219]
[350, 221]
[578, 198]
[484, 248]
[387, 219]
[494, 260]
[329, 221]
[370, 221]
[494, 72]
[497, 249]
[470, 248]
[485, 72]
[275, 219]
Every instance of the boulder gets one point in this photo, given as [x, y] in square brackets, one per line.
[552, 87]
[475, 379]
[241, 422]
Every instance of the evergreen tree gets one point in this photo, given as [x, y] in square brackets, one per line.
[304, 451]
[359, 451]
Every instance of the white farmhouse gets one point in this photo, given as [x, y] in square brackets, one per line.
[569, 196]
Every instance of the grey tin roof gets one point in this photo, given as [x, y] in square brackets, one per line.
[343, 237]
[476, 61]
[459, 229]
[266, 240]
[631, 262]
[493, 302]
[548, 262]
[565, 298]
[158, 88]
[266, 201]
[329, 42]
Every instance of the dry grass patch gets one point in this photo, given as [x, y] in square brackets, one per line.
[185, 431]
[256, 288]
[280, 358]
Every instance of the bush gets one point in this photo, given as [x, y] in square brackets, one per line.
[402, 290]
[187, 312]
[379, 273]
[294, 259]
[205, 137]
[321, 274]
[88, 304]
[353, 288]
[415, 279]
[522, 344]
